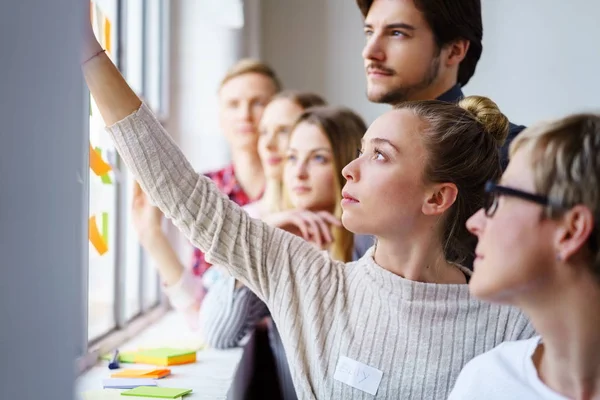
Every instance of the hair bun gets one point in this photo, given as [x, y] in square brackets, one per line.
[487, 113]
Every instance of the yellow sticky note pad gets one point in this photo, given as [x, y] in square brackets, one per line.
[166, 356]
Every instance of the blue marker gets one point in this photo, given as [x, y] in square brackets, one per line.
[114, 363]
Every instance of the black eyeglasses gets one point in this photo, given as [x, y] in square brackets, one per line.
[493, 193]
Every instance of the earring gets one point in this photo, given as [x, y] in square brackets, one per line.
[558, 257]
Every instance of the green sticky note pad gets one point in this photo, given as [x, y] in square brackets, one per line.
[166, 352]
[157, 392]
[126, 357]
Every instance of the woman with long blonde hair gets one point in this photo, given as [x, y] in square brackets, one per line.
[321, 141]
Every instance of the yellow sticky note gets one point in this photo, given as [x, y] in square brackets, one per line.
[95, 237]
[107, 35]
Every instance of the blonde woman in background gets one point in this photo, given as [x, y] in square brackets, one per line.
[321, 140]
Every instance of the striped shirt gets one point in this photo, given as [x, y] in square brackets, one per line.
[417, 335]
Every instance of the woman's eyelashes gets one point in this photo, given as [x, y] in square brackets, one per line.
[378, 155]
[374, 154]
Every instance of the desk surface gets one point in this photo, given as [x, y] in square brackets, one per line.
[210, 377]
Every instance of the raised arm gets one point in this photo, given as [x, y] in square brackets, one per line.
[115, 99]
[265, 259]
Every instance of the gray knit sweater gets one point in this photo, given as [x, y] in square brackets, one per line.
[418, 335]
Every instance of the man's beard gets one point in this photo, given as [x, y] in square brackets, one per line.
[404, 93]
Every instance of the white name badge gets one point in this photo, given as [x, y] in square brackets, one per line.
[358, 375]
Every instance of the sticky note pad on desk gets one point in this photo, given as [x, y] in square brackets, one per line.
[125, 357]
[157, 392]
[102, 394]
[127, 383]
[165, 356]
[142, 373]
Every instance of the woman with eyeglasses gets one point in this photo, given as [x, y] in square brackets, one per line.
[539, 250]
[399, 323]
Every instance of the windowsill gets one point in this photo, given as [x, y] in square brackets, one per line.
[217, 374]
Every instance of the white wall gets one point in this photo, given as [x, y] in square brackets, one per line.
[201, 52]
[203, 47]
[316, 45]
[541, 57]
[44, 166]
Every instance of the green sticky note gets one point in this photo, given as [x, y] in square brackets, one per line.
[126, 357]
[166, 352]
[106, 179]
[105, 227]
[157, 392]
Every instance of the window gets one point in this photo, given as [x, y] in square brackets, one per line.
[103, 184]
[122, 284]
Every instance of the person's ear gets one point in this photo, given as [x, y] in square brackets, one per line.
[440, 198]
[575, 228]
[455, 52]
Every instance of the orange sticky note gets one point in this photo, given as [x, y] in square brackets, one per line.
[97, 164]
[95, 237]
[107, 35]
[142, 373]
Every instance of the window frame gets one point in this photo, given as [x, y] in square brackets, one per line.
[125, 328]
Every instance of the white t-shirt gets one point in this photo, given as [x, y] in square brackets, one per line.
[506, 372]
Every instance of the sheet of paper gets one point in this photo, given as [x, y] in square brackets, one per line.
[358, 375]
[102, 394]
[127, 383]
[112, 394]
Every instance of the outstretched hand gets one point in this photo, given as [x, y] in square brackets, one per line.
[147, 218]
[314, 227]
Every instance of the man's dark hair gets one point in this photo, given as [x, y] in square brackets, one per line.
[451, 20]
